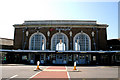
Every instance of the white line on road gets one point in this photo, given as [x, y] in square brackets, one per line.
[12, 77]
[36, 74]
[68, 74]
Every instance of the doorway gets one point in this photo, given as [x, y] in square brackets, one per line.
[82, 59]
[59, 59]
[37, 58]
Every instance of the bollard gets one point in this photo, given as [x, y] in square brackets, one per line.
[38, 63]
[75, 66]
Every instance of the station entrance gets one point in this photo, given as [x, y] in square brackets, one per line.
[64, 58]
[59, 58]
[82, 58]
[88, 58]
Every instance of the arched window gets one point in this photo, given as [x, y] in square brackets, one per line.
[56, 39]
[82, 42]
[37, 41]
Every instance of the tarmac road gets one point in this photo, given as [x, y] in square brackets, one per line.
[25, 72]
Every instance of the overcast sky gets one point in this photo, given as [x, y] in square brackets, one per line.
[17, 11]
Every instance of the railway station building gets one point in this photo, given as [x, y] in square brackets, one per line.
[62, 42]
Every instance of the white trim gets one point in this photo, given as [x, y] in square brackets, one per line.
[64, 35]
[79, 34]
[2, 50]
[80, 26]
[67, 73]
[34, 75]
[35, 34]
[12, 77]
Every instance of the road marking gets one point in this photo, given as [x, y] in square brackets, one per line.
[36, 74]
[12, 77]
[52, 74]
[68, 74]
[54, 70]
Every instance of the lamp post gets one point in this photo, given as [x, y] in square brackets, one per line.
[70, 40]
[48, 34]
[27, 33]
[93, 34]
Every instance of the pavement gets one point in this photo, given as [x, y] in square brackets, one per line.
[26, 72]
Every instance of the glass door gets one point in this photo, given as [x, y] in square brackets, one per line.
[82, 59]
[59, 59]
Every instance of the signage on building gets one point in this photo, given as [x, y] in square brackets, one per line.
[63, 29]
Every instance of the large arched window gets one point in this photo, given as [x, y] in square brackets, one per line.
[82, 42]
[56, 39]
[37, 41]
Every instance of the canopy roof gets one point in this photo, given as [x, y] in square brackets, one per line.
[60, 22]
[49, 51]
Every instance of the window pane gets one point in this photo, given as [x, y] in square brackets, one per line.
[56, 40]
[36, 42]
[83, 42]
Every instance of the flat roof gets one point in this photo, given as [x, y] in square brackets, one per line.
[60, 22]
[6, 41]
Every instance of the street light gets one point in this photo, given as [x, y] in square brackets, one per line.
[93, 34]
[70, 33]
[27, 33]
[70, 40]
[48, 33]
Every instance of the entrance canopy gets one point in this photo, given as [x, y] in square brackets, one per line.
[48, 51]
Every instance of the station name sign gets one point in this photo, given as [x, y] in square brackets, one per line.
[63, 29]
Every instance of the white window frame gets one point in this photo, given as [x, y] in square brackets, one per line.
[57, 34]
[35, 34]
[85, 35]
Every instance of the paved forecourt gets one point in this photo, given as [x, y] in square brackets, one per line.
[27, 72]
[53, 72]
[94, 72]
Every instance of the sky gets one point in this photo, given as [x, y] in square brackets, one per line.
[17, 11]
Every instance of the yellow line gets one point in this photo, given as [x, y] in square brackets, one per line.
[53, 70]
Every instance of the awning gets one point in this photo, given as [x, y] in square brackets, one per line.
[50, 51]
